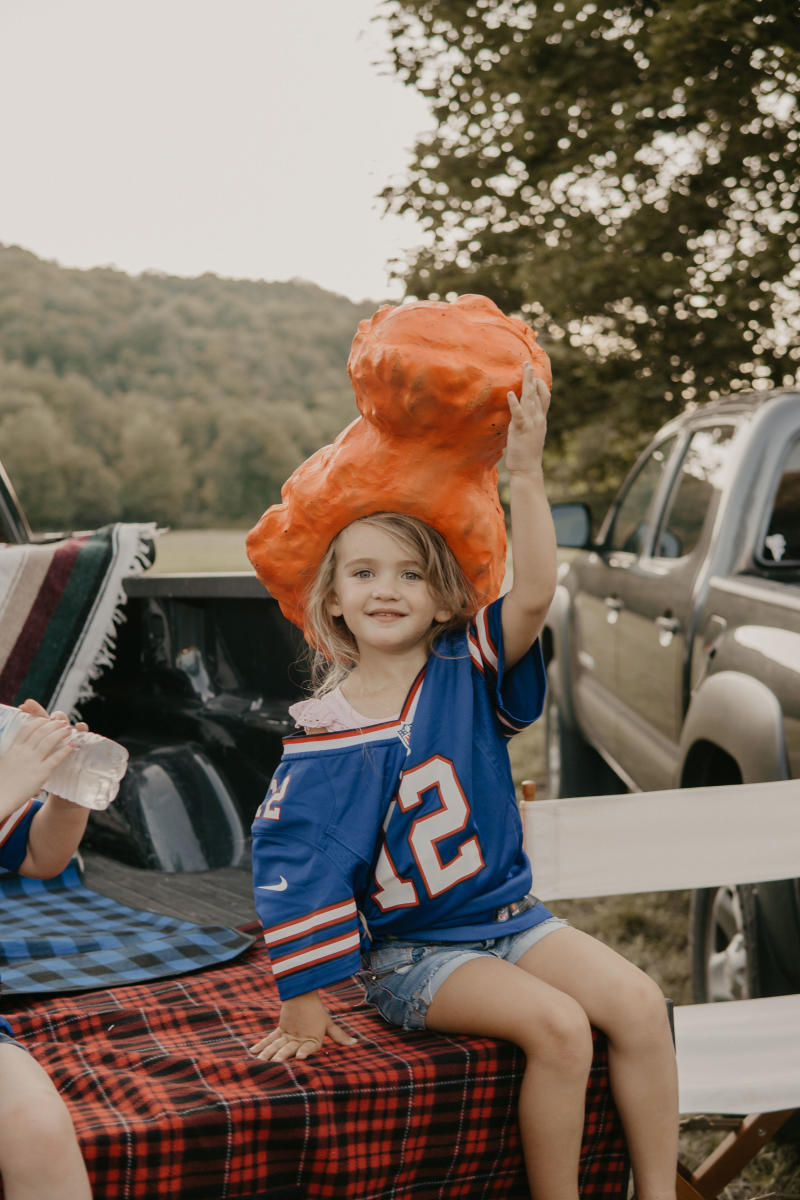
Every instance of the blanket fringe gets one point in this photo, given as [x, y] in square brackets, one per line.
[127, 560]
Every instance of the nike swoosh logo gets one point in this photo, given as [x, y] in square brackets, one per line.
[274, 887]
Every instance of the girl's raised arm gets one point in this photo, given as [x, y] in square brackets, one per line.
[533, 543]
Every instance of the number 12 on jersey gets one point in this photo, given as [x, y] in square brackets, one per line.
[425, 833]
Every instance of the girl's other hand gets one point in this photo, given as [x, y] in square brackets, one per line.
[528, 426]
[304, 1025]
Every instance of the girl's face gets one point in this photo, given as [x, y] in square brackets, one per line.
[380, 590]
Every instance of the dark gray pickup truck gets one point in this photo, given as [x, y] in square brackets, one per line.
[673, 647]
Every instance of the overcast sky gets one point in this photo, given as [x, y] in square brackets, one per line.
[249, 138]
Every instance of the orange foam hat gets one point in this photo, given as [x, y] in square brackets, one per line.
[431, 381]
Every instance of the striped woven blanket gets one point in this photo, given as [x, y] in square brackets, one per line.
[60, 603]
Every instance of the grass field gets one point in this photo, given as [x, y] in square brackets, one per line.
[189, 551]
[651, 930]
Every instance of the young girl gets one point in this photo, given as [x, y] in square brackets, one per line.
[397, 808]
[40, 1158]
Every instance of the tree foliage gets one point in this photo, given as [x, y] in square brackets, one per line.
[625, 176]
[185, 401]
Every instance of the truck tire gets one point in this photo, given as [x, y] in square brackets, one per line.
[723, 943]
[574, 768]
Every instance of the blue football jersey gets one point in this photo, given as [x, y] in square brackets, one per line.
[14, 835]
[407, 829]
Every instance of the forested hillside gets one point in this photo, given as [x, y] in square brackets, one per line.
[186, 401]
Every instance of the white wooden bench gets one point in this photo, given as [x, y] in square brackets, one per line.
[740, 1058]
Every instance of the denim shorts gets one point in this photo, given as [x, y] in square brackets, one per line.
[7, 1038]
[401, 978]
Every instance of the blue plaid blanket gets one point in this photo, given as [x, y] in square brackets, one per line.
[59, 936]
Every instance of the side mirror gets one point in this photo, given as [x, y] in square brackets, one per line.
[573, 524]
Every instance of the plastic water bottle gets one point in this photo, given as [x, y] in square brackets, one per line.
[89, 776]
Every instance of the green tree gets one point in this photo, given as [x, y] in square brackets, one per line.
[152, 467]
[246, 466]
[62, 484]
[160, 378]
[625, 176]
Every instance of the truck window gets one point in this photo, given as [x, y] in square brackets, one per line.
[782, 539]
[629, 527]
[699, 477]
[6, 532]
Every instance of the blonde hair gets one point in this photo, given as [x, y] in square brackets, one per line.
[335, 652]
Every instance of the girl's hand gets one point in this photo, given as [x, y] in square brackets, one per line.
[34, 709]
[37, 750]
[304, 1024]
[526, 432]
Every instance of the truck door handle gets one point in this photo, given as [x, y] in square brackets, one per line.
[613, 605]
[667, 626]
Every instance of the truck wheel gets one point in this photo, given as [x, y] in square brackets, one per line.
[574, 768]
[723, 939]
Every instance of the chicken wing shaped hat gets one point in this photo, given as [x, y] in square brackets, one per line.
[431, 381]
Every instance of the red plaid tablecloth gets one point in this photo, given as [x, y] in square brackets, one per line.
[167, 1102]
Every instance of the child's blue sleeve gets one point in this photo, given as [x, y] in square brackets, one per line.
[519, 691]
[304, 900]
[14, 835]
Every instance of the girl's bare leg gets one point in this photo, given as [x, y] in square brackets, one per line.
[493, 998]
[39, 1154]
[622, 1001]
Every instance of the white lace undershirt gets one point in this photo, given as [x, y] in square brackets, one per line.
[331, 712]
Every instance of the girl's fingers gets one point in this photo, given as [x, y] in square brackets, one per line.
[268, 1046]
[55, 739]
[306, 1049]
[339, 1035]
[46, 732]
[57, 755]
[53, 745]
[278, 1046]
[33, 731]
[79, 726]
[529, 407]
[264, 1041]
[277, 1051]
[533, 389]
[543, 397]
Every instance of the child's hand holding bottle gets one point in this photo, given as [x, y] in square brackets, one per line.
[40, 746]
[89, 776]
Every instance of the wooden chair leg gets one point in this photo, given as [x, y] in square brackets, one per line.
[684, 1189]
[733, 1153]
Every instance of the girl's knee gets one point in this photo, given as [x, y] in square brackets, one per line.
[561, 1036]
[640, 1011]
